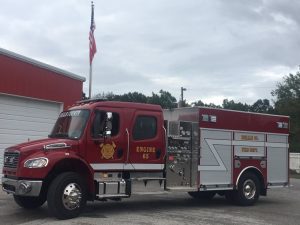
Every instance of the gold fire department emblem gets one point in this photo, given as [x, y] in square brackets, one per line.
[108, 150]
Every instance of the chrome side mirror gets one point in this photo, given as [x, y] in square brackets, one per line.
[108, 124]
[109, 116]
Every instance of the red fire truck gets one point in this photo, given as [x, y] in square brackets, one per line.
[101, 150]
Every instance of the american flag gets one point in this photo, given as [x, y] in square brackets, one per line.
[93, 48]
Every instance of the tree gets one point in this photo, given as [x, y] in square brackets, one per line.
[165, 99]
[200, 103]
[235, 106]
[262, 106]
[133, 97]
[287, 102]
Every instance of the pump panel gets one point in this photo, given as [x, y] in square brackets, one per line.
[182, 155]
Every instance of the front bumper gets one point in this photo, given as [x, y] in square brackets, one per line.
[22, 187]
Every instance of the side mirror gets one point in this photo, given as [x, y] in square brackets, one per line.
[108, 124]
[109, 115]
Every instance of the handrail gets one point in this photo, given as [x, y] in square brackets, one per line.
[128, 146]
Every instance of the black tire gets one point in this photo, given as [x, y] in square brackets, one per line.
[60, 204]
[28, 202]
[204, 195]
[248, 190]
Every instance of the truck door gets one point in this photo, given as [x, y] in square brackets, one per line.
[147, 141]
[107, 153]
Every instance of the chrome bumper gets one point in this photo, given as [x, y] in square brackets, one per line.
[22, 187]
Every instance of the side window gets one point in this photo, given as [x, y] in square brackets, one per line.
[145, 127]
[98, 126]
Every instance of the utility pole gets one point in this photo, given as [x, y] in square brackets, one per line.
[181, 101]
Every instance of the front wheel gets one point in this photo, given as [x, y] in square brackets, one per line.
[28, 202]
[67, 196]
[248, 190]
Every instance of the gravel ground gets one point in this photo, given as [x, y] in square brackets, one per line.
[281, 206]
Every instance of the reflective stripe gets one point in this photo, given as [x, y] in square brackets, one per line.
[221, 166]
[128, 166]
[260, 144]
[277, 145]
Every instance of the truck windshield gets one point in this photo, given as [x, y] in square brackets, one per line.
[70, 124]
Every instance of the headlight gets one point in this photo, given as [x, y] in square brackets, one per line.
[36, 163]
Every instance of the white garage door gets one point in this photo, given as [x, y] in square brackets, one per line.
[23, 119]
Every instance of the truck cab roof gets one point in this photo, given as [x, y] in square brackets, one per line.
[91, 104]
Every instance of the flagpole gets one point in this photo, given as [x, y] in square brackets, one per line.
[92, 47]
[90, 80]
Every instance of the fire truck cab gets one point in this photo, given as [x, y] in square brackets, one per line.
[101, 150]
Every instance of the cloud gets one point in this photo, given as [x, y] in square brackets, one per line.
[216, 49]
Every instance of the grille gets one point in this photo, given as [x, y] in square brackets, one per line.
[11, 159]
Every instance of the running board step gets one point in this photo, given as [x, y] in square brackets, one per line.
[181, 189]
[112, 196]
[148, 178]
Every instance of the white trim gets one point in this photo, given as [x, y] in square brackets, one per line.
[248, 167]
[249, 143]
[231, 110]
[215, 188]
[260, 144]
[128, 166]
[107, 166]
[243, 131]
[221, 166]
[277, 145]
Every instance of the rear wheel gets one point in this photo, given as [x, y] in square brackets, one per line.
[67, 195]
[204, 195]
[28, 202]
[248, 190]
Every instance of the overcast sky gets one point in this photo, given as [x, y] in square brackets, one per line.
[216, 49]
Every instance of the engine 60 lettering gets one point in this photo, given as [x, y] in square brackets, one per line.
[141, 149]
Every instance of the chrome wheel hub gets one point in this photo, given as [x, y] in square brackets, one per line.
[249, 189]
[71, 196]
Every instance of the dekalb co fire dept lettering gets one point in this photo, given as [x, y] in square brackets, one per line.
[249, 138]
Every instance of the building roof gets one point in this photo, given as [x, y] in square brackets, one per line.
[40, 64]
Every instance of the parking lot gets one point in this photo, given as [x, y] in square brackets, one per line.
[281, 206]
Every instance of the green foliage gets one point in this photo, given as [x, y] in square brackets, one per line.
[235, 105]
[262, 106]
[200, 103]
[287, 102]
[164, 98]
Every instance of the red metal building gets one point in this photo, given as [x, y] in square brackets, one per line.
[32, 94]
